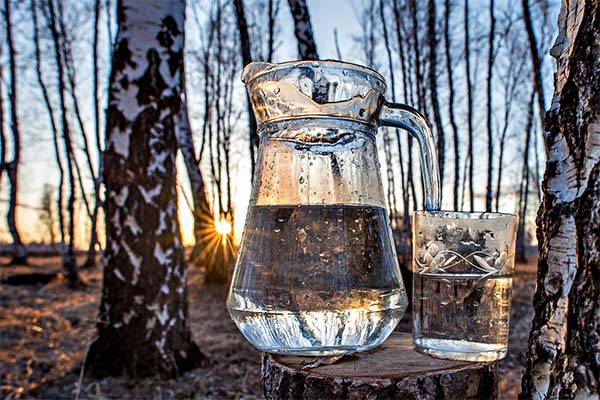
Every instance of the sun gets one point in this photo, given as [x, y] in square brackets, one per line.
[223, 227]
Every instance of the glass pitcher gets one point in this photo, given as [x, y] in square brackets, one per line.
[317, 272]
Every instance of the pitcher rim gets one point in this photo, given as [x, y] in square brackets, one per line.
[296, 63]
[471, 215]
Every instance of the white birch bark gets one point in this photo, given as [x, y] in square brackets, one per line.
[143, 327]
[564, 345]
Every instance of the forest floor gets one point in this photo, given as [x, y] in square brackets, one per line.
[45, 330]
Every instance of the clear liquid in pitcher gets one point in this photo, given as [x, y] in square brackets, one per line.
[317, 279]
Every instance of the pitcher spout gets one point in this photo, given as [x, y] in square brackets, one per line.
[301, 89]
[254, 69]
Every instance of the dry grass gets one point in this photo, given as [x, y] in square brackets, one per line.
[45, 330]
[521, 315]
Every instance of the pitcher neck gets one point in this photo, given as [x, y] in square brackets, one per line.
[316, 129]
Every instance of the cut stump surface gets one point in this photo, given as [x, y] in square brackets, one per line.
[395, 370]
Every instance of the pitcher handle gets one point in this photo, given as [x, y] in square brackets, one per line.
[411, 120]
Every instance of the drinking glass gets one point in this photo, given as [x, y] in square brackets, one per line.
[463, 265]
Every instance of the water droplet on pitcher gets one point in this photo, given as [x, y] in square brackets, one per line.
[301, 179]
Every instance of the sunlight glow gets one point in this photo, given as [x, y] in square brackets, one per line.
[223, 227]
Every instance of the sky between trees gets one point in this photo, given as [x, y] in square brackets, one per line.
[351, 20]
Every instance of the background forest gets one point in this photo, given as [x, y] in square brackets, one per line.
[480, 71]
[468, 67]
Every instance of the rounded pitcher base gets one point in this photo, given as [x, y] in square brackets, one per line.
[461, 350]
[322, 351]
[316, 333]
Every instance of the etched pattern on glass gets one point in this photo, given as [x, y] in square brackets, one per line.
[436, 259]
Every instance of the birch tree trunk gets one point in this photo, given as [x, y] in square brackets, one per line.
[521, 248]
[564, 343]
[433, 89]
[450, 76]
[307, 48]
[12, 167]
[414, 47]
[273, 10]
[54, 127]
[66, 41]
[245, 48]
[143, 326]
[94, 241]
[536, 64]
[209, 251]
[387, 140]
[69, 261]
[489, 111]
[470, 89]
[407, 91]
[3, 139]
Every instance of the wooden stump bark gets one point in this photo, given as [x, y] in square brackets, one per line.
[394, 370]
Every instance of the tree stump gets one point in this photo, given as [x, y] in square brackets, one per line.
[394, 370]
